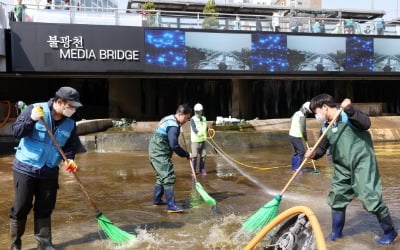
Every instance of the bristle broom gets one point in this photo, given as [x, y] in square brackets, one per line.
[114, 233]
[264, 215]
[206, 197]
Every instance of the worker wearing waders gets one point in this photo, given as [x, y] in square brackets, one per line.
[36, 163]
[356, 172]
[198, 136]
[163, 143]
[297, 133]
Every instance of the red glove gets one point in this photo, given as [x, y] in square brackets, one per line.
[71, 166]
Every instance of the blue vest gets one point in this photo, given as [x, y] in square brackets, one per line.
[168, 121]
[37, 149]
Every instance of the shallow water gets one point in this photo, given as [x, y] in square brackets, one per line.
[121, 184]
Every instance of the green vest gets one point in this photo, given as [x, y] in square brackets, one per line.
[295, 128]
[201, 126]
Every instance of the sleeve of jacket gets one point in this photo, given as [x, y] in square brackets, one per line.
[173, 135]
[193, 126]
[71, 146]
[303, 127]
[24, 124]
[321, 148]
[358, 119]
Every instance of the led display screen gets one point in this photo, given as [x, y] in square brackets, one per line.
[316, 54]
[386, 55]
[40, 47]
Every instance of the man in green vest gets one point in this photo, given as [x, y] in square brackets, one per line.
[356, 170]
[198, 128]
[297, 133]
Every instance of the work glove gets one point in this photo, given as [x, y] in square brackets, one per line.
[71, 166]
[37, 113]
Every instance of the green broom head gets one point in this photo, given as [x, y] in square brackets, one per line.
[114, 233]
[263, 216]
[206, 197]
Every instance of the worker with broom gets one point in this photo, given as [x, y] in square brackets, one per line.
[36, 163]
[356, 172]
[198, 136]
[162, 145]
[297, 133]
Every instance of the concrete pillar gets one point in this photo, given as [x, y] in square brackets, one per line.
[240, 95]
[124, 98]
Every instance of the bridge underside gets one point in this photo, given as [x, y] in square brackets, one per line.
[247, 97]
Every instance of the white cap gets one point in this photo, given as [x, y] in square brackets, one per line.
[306, 107]
[198, 107]
[20, 104]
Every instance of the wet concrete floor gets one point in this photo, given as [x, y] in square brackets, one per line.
[121, 185]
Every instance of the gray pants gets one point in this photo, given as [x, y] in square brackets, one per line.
[198, 148]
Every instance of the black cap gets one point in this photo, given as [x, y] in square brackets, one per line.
[70, 95]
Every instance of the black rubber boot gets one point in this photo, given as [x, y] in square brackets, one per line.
[202, 166]
[338, 219]
[17, 229]
[389, 233]
[171, 206]
[43, 234]
[158, 193]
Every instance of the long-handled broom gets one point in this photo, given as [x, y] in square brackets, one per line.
[269, 211]
[114, 233]
[312, 161]
[200, 189]
[204, 195]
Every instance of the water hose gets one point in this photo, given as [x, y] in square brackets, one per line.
[269, 211]
[8, 113]
[319, 236]
[215, 145]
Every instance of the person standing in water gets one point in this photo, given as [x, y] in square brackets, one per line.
[161, 147]
[356, 170]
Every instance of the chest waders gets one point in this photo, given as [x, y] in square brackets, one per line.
[160, 158]
[356, 174]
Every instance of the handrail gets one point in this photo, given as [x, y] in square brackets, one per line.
[185, 19]
[319, 236]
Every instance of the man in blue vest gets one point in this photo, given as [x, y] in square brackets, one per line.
[297, 133]
[198, 135]
[161, 147]
[36, 163]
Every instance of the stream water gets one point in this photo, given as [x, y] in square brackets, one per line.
[121, 184]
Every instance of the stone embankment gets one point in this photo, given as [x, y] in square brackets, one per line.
[99, 135]
[256, 133]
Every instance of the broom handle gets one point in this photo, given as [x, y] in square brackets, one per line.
[312, 161]
[312, 150]
[191, 165]
[66, 160]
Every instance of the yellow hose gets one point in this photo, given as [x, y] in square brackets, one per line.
[8, 113]
[319, 236]
[214, 144]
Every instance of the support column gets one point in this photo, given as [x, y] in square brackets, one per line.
[240, 103]
[124, 98]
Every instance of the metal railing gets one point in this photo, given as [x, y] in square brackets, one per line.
[81, 14]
